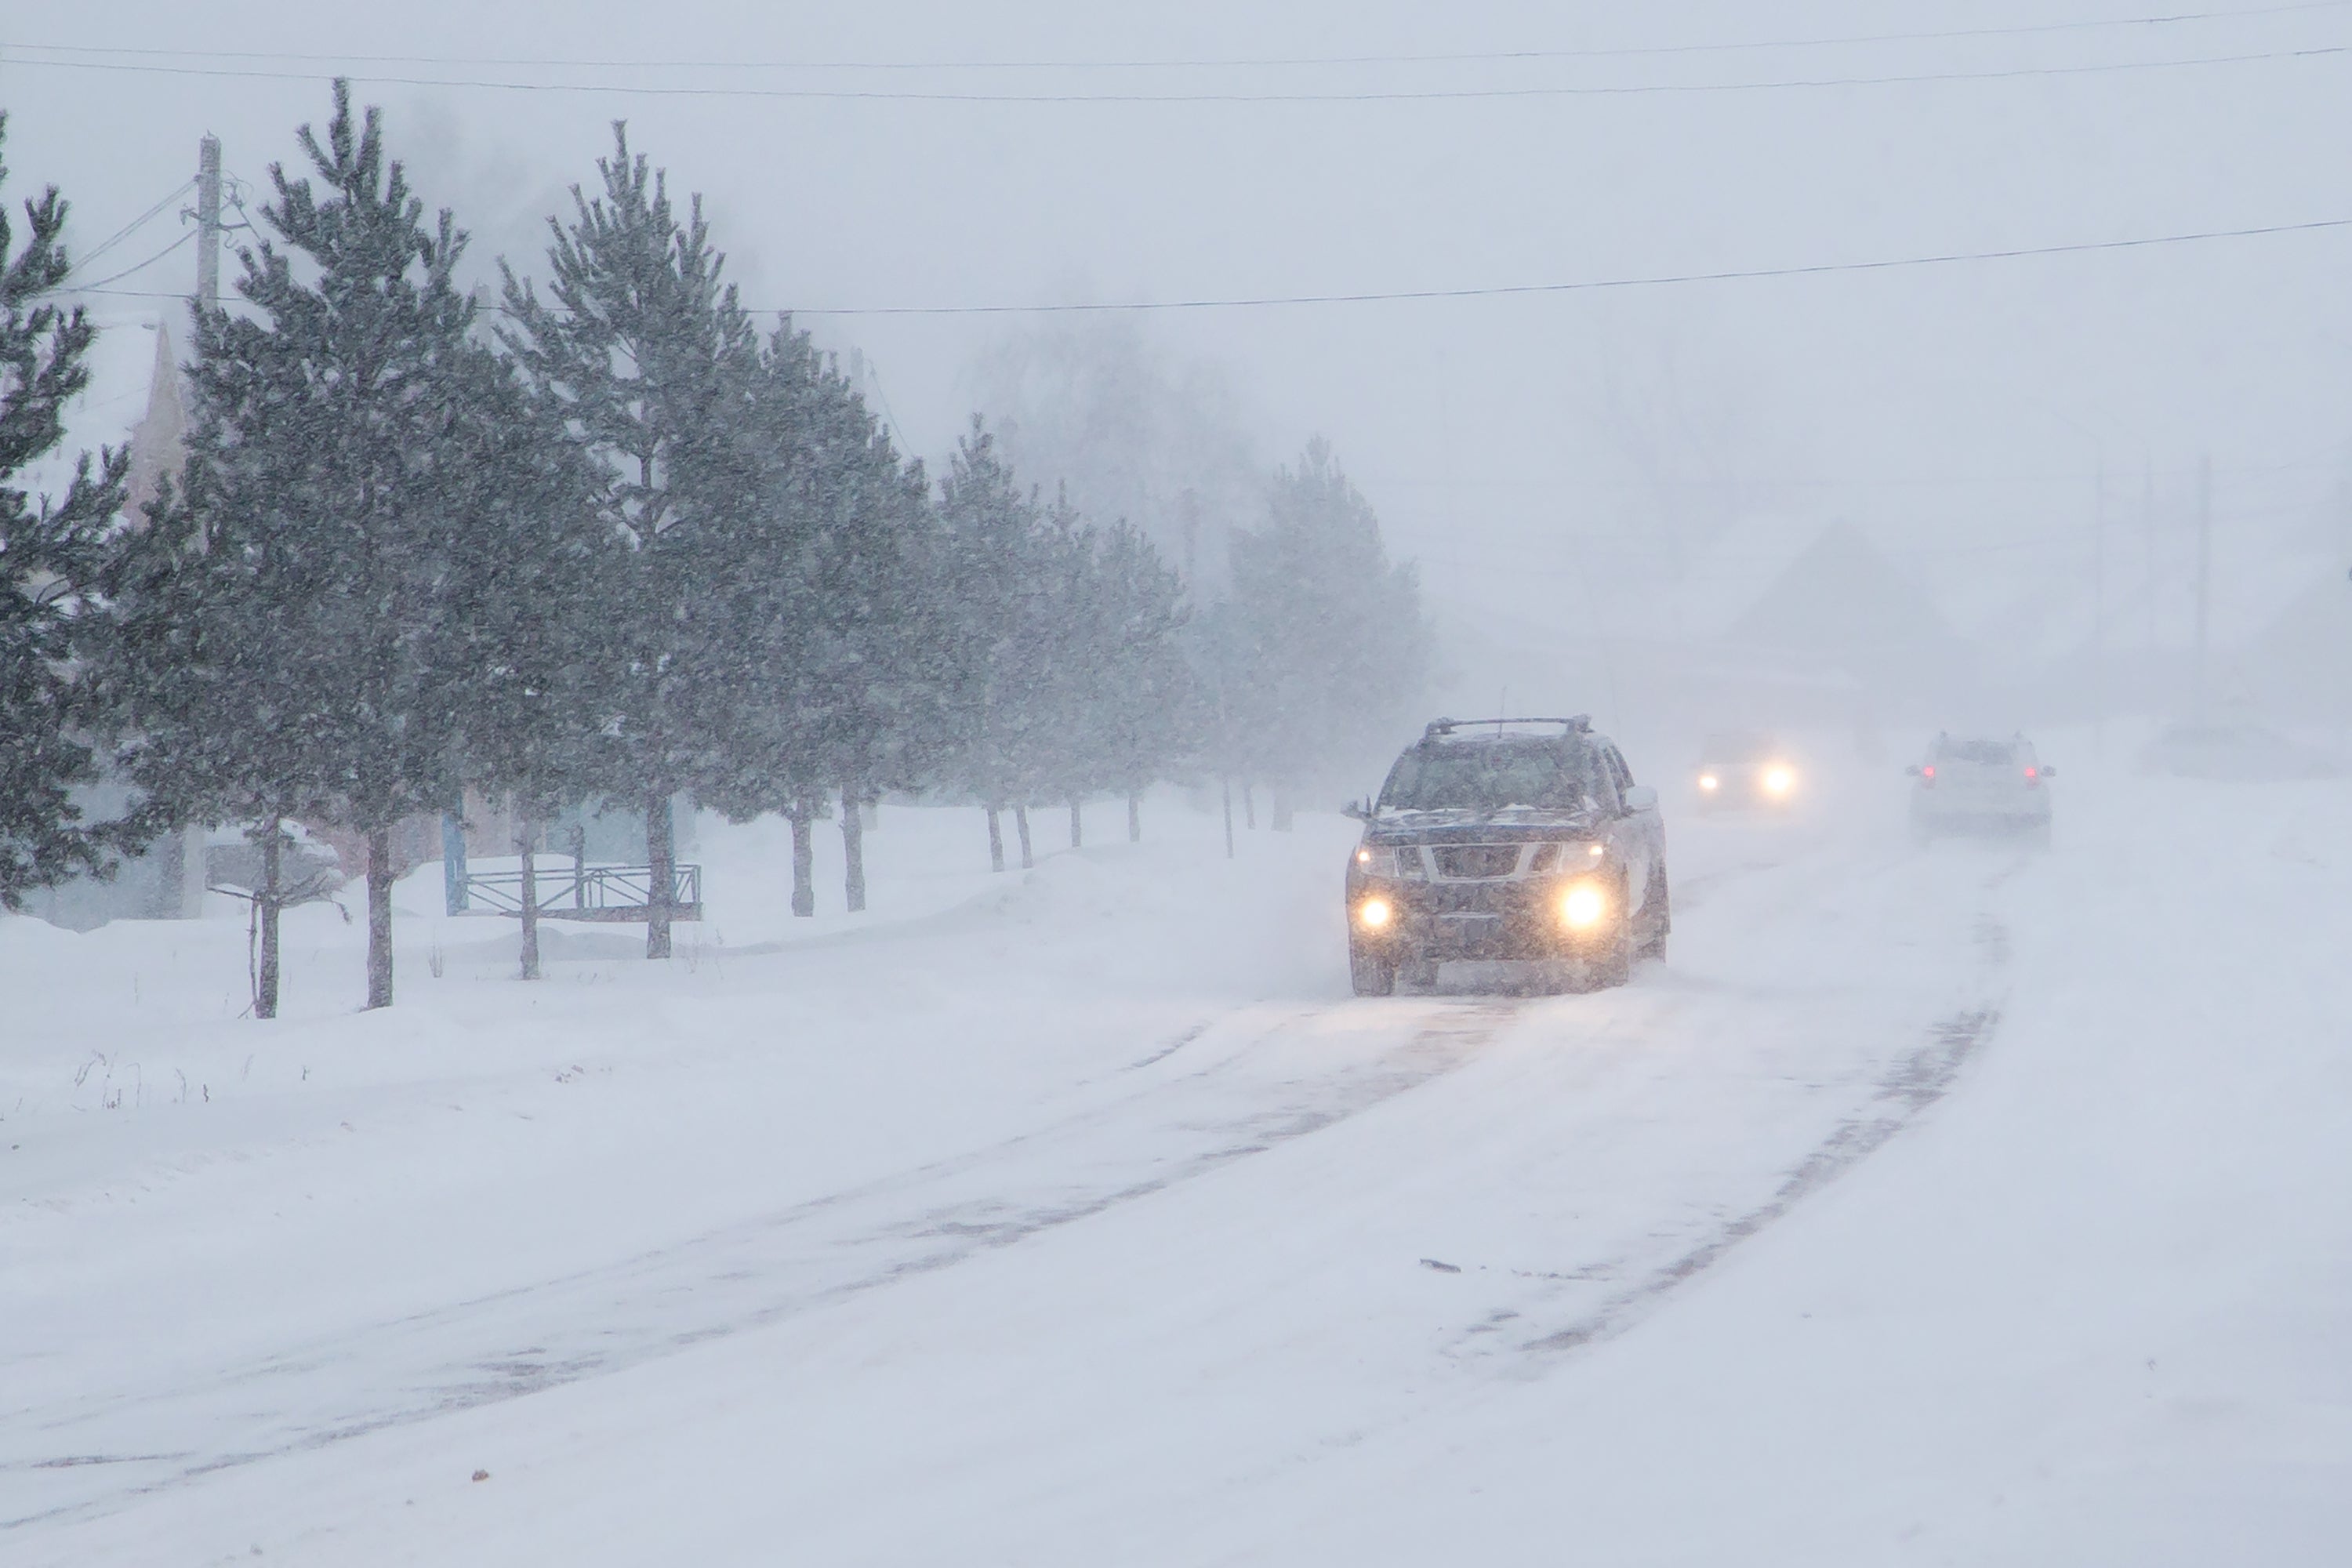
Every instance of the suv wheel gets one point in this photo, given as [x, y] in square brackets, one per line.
[1659, 907]
[1372, 974]
[1613, 965]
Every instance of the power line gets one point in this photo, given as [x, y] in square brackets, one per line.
[100, 285]
[125, 232]
[1585, 285]
[1507, 290]
[1945, 35]
[1400, 95]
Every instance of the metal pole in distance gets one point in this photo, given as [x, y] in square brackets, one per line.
[2099, 615]
[2204, 569]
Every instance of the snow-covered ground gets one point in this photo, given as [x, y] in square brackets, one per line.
[1967, 1206]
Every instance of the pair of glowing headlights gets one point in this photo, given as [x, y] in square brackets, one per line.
[1777, 780]
[1581, 904]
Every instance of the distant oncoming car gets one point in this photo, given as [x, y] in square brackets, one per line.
[1744, 770]
[1523, 840]
[1977, 784]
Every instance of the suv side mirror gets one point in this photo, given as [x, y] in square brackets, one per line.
[1355, 809]
[1641, 797]
[1912, 772]
[2048, 772]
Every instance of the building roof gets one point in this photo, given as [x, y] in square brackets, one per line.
[132, 399]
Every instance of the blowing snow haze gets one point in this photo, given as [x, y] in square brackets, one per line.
[1529, 450]
[1665, 1123]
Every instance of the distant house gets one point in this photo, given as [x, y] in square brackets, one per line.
[1793, 620]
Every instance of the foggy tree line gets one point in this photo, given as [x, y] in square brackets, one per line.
[606, 541]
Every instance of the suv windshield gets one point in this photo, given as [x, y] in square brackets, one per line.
[1492, 775]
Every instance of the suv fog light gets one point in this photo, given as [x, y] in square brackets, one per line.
[1582, 906]
[1709, 781]
[1779, 781]
[1373, 914]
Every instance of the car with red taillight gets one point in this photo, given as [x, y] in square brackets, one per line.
[1980, 786]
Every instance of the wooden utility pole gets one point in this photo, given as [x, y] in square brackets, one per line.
[209, 220]
[179, 854]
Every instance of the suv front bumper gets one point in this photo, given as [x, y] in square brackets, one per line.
[1502, 919]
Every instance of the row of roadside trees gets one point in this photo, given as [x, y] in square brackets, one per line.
[606, 541]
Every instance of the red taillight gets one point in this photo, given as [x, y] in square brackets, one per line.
[2032, 778]
[1928, 772]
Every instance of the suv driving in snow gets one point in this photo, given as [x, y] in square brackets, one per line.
[1521, 839]
[1976, 784]
[1744, 770]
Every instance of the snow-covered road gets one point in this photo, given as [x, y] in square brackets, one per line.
[1086, 1219]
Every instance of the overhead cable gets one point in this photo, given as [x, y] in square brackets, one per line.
[1945, 35]
[1508, 290]
[1376, 95]
[125, 232]
[100, 285]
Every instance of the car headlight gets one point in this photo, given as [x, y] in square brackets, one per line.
[1379, 860]
[1710, 781]
[1780, 780]
[1582, 906]
[1374, 914]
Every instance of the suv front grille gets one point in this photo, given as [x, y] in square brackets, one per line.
[1472, 862]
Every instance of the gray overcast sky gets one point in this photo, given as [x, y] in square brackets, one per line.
[1941, 407]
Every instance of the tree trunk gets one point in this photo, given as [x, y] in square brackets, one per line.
[852, 850]
[661, 856]
[1020, 827]
[1134, 818]
[379, 899]
[1281, 812]
[1225, 785]
[170, 899]
[266, 899]
[579, 863]
[995, 841]
[1077, 824]
[527, 840]
[1249, 806]
[803, 864]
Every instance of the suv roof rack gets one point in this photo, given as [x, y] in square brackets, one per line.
[1579, 724]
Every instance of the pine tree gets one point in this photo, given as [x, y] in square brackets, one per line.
[1146, 713]
[763, 589]
[529, 579]
[206, 680]
[52, 552]
[1329, 648]
[829, 603]
[642, 351]
[996, 564]
[336, 471]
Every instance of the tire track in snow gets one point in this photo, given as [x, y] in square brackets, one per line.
[1917, 1080]
[811, 1256]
